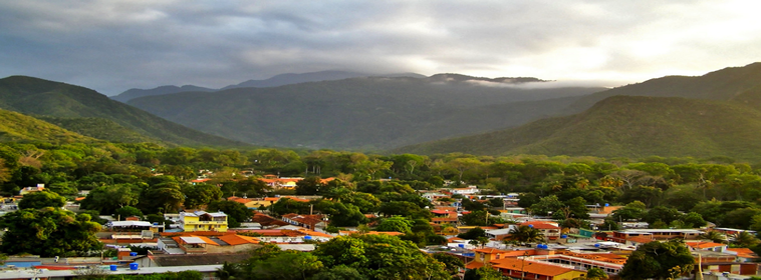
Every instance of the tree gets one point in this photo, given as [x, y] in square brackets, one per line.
[483, 273]
[39, 200]
[663, 214]
[658, 260]
[200, 194]
[632, 211]
[381, 257]
[309, 186]
[745, 240]
[714, 236]
[48, 232]
[397, 223]
[476, 218]
[128, 211]
[106, 199]
[339, 272]
[524, 234]
[472, 233]
[236, 212]
[546, 205]
[452, 263]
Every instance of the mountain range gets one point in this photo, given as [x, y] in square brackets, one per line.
[365, 113]
[717, 114]
[275, 81]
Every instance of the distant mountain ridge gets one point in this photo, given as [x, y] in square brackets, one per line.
[365, 113]
[38, 97]
[135, 92]
[275, 81]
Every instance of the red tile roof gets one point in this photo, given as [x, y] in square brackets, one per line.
[516, 264]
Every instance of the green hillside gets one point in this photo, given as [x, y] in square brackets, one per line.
[724, 84]
[625, 126]
[370, 113]
[100, 128]
[17, 127]
[39, 97]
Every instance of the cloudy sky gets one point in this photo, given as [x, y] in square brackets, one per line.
[114, 45]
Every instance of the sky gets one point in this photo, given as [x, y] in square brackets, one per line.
[115, 45]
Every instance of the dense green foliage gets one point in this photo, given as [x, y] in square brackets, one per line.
[34, 96]
[660, 260]
[48, 232]
[39, 200]
[363, 113]
[344, 257]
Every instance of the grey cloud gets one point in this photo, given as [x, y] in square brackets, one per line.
[113, 45]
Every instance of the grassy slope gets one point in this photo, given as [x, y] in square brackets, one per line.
[626, 126]
[47, 98]
[21, 128]
[100, 128]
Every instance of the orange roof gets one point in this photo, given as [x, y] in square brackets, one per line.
[703, 245]
[238, 239]
[271, 198]
[80, 198]
[200, 180]
[392, 233]
[474, 265]
[640, 239]
[519, 253]
[540, 225]
[516, 264]
[452, 239]
[316, 233]
[744, 253]
[490, 251]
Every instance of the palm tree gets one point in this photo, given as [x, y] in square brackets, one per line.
[745, 239]
[714, 236]
[524, 234]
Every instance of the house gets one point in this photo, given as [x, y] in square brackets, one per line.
[441, 217]
[521, 268]
[38, 188]
[305, 221]
[470, 190]
[203, 221]
[709, 246]
[550, 230]
[657, 234]
[743, 254]
[607, 262]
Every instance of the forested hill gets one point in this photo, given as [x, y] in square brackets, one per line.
[33, 96]
[626, 126]
[724, 84]
[16, 127]
[369, 113]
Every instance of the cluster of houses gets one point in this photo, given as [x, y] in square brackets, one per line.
[202, 241]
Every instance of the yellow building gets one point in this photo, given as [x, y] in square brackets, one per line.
[203, 221]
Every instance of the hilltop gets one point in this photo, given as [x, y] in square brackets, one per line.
[724, 84]
[38, 97]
